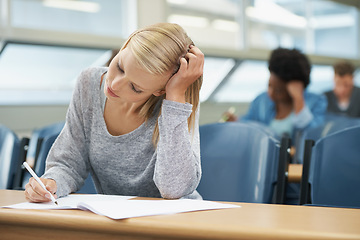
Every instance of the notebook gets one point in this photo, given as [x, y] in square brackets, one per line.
[121, 207]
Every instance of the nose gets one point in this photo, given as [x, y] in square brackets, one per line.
[118, 83]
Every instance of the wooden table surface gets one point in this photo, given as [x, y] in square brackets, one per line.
[251, 221]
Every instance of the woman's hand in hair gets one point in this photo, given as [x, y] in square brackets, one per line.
[191, 68]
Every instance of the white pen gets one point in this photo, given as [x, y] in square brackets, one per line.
[39, 181]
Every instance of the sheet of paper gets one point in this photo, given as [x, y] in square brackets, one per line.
[139, 208]
[69, 202]
[118, 207]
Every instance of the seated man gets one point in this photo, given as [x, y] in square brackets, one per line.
[344, 99]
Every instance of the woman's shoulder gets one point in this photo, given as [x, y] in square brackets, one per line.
[90, 77]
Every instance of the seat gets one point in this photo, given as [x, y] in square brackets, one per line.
[46, 145]
[239, 163]
[332, 177]
[333, 123]
[35, 143]
[9, 156]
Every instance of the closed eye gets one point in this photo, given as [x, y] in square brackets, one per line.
[119, 68]
[134, 89]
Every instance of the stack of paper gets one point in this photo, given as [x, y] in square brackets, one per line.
[119, 207]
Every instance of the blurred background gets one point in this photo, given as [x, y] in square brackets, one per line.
[44, 45]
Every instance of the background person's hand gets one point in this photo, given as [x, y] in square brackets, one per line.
[191, 68]
[296, 92]
[229, 115]
[295, 89]
[35, 193]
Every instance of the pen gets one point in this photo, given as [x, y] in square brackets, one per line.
[39, 181]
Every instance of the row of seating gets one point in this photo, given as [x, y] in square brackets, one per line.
[244, 163]
[33, 150]
[241, 162]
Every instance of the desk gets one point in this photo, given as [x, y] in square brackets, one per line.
[251, 221]
[295, 173]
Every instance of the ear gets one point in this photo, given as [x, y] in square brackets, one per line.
[159, 92]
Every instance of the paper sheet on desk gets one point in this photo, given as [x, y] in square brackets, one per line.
[118, 207]
[69, 202]
[141, 208]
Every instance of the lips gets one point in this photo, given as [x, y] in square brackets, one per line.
[111, 93]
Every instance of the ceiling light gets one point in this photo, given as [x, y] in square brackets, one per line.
[73, 5]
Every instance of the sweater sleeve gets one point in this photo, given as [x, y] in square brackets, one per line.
[177, 169]
[67, 162]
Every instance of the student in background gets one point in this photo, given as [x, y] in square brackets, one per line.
[344, 99]
[286, 106]
[133, 125]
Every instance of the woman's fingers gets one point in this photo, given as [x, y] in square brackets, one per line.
[35, 193]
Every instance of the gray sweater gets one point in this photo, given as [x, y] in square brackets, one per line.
[127, 164]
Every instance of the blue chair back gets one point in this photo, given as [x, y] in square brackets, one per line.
[239, 163]
[46, 145]
[335, 169]
[37, 138]
[333, 124]
[9, 156]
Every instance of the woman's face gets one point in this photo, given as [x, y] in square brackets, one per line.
[127, 81]
[277, 90]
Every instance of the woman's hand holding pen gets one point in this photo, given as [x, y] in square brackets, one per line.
[191, 68]
[35, 193]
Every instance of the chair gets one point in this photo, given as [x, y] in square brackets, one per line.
[333, 123]
[46, 145]
[239, 163]
[334, 174]
[9, 155]
[35, 144]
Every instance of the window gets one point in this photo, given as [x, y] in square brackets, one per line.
[215, 70]
[42, 74]
[104, 18]
[248, 80]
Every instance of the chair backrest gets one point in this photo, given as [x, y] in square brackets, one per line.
[239, 163]
[331, 125]
[46, 145]
[36, 146]
[36, 138]
[334, 174]
[9, 156]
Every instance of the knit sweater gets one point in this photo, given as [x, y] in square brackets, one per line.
[127, 164]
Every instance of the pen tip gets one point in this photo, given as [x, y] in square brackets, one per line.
[56, 203]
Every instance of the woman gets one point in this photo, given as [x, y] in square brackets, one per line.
[287, 107]
[133, 125]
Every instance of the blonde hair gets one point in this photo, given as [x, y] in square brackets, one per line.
[158, 48]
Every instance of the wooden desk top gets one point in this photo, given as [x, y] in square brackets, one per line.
[251, 221]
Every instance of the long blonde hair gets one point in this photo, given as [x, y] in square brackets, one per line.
[158, 48]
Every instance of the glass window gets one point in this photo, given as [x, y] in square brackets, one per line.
[211, 23]
[39, 74]
[105, 17]
[314, 26]
[276, 23]
[215, 70]
[321, 79]
[335, 24]
[248, 80]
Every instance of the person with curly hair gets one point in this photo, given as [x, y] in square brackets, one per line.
[286, 106]
[344, 99]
